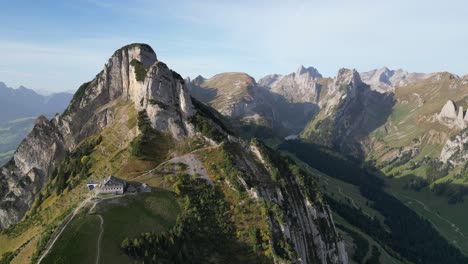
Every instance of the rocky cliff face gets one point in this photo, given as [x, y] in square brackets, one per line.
[455, 150]
[238, 97]
[350, 110]
[309, 224]
[24, 175]
[233, 94]
[132, 73]
[298, 87]
[449, 115]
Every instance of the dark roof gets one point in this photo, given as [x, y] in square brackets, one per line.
[113, 181]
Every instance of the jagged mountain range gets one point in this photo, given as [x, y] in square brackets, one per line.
[137, 112]
[346, 111]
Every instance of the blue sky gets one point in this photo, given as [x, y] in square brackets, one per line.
[57, 45]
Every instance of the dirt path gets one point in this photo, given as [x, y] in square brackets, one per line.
[347, 197]
[194, 166]
[98, 256]
[62, 228]
[87, 200]
[172, 160]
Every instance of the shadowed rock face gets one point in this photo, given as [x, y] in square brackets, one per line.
[349, 112]
[299, 87]
[162, 94]
[238, 97]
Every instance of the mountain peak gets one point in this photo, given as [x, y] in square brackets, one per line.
[139, 51]
[449, 110]
[24, 89]
[348, 76]
[133, 73]
[198, 80]
[385, 69]
[310, 70]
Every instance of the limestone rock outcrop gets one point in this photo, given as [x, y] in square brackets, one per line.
[455, 150]
[310, 220]
[449, 110]
[298, 87]
[349, 111]
[448, 115]
[24, 175]
[240, 98]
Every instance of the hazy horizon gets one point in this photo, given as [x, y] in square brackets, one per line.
[56, 46]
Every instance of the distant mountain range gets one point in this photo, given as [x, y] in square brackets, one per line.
[391, 117]
[19, 108]
[24, 102]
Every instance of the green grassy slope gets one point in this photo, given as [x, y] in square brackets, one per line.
[413, 124]
[125, 216]
[78, 243]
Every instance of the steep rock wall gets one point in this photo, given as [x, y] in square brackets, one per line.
[161, 93]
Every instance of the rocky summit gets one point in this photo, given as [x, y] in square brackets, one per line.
[297, 87]
[133, 73]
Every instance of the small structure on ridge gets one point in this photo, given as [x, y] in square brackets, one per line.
[110, 184]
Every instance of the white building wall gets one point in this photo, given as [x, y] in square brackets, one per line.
[117, 190]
